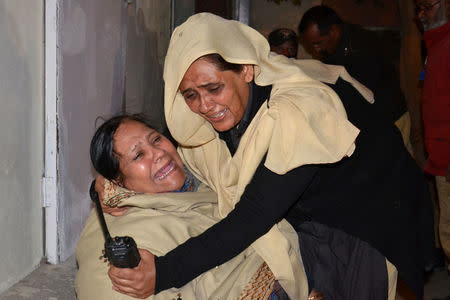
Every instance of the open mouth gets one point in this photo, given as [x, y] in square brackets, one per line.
[219, 116]
[165, 171]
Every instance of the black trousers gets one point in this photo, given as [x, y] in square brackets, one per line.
[341, 266]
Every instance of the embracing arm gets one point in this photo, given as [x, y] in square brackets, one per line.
[266, 200]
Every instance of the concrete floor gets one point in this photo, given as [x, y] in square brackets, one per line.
[438, 285]
[55, 282]
[48, 282]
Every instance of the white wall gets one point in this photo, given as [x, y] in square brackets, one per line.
[90, 85]
[21, 138]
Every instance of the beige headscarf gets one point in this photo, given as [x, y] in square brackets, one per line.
[303, 123]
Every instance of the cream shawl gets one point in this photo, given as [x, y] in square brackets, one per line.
[159, 223]
[303, 123]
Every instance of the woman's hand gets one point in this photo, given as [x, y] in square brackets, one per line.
[138, 282]
[114, 211]
[315, 295]
[100, 189]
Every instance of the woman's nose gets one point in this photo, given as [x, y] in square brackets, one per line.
[158, 153]
[205, 104]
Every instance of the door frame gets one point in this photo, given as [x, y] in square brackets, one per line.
[50, 179]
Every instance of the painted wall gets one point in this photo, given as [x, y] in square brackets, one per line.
[266, 16]
[148, 38]
[96, 52]
[21, 138]
[91, 85]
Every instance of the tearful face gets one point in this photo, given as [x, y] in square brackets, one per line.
[148, 161]
[220, 97]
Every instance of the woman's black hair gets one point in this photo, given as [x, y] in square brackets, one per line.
[102, 153]
[321, 15]
[282, 35]
[222, 64]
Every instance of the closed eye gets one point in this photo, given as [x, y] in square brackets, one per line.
[215, 89]
[157, 139]
[138, 155]
[189, 96]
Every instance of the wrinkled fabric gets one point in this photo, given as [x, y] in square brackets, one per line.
[443, 190]
[304, 122]
[158, 223]
[344, 267]
[330, 74]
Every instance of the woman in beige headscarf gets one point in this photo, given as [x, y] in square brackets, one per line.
[263, 157]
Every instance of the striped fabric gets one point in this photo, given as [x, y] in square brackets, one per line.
[260, 286]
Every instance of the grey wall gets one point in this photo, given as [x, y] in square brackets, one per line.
[148, 37]
[90, 86]
[92, 68]
[21, 138]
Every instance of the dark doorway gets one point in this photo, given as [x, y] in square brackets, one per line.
[223, 8]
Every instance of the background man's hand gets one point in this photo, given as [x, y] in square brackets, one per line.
[138, 282]
[447, 176]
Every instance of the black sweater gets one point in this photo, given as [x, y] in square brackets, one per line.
[378, 195]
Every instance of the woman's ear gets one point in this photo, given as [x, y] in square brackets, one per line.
[247, 72]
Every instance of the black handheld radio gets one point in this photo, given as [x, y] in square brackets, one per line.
[121, 251]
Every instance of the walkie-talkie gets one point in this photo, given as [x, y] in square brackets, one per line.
[121, 251]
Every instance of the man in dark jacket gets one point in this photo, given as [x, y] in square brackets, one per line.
[332, 41]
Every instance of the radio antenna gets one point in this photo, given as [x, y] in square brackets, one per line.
[94, 198]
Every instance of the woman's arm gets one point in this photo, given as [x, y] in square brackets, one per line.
[265, 201]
